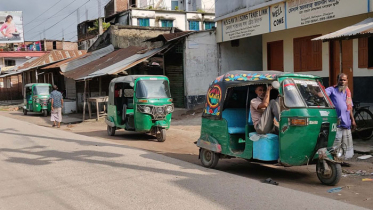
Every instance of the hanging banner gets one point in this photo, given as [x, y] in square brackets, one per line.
[11, 27]
[305, 12]
[277, 15]
[245, 25]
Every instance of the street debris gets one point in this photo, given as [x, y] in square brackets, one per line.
[367, 180]
[335, 190]
[364, 157]
[270, 181]
[358, 172]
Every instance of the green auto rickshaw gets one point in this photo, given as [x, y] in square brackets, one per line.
[306, 131]
[140, 103]
[36, 98]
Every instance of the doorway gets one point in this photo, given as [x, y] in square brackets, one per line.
[347, 62]
[275, 55]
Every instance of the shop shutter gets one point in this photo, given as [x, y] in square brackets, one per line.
[363, 52]
[70, 88]
[176, 76]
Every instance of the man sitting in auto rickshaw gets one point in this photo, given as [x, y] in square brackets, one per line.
[264, 112]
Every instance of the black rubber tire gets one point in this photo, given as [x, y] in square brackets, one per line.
[110, 131]
[364, 135]
[24, 111]
[161, 136]
[45, 113]
[335, 176]
[209, 159]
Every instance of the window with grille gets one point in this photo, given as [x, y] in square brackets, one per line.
[194, 25]
[143, 22]
[209, 25]
[174, 5]
[10, 62]
[167, 23]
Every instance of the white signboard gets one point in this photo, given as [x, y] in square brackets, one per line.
[245, 25]
[11, 28]
[277, 15]
[305, 12]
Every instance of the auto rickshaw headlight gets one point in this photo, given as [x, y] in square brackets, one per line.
[169, 109]
[147, 109]
[339, 152]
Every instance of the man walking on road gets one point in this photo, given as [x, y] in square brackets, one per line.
[340, 95]
[57, 104]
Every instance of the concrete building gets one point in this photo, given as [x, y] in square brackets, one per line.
[116, 6]
[277, 35]
[191, 65]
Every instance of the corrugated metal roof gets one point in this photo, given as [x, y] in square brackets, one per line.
[170, 37]
[126, 63]
[358, 29]
[86, 59]
[51, 57]
[20, 54]
[57, 65]
[104, 62]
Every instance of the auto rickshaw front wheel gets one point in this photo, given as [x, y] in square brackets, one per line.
[161, 135]
[209, 159]
[331, 178]
[24, 111]
[45, 112]
[111, 130]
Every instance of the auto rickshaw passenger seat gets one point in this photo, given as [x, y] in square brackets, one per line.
[236, 119]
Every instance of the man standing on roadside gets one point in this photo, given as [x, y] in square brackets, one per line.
[340, 95]
[57, 104]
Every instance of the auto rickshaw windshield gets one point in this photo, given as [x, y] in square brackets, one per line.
[42, 90]
[304, 93]
[153, 89]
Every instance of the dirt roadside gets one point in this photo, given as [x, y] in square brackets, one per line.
[180, 145]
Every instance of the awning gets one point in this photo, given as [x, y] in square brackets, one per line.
[361, 29]
[69, 66]
[125, 64]
[103, 62]
[170, 37]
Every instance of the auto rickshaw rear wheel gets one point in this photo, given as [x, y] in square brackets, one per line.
[209, 159]
[332, 178]
[24, 111]
[161, 135]
[45, 112]
[111, 130]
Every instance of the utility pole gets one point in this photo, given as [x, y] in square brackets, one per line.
[86, 14]
[99, 8]
[77, 15]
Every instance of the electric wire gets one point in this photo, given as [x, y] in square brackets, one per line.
[66, 16]
[43, 12]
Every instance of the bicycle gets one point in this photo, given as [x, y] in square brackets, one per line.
[364, 121]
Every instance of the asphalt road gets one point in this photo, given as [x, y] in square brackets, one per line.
[47, 168]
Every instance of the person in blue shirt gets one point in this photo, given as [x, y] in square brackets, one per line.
[56, 106]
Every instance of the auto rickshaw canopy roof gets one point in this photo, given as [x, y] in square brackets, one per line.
[132, 78]
[41, 84]
[238, 76]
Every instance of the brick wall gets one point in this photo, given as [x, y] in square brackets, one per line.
[109, 9]
[122, 5]
[14, 92]
[70, 46]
